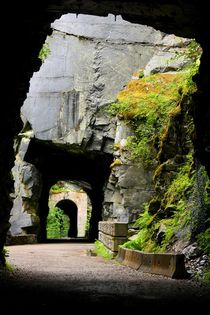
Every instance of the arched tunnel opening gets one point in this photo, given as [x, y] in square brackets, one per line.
[70, 211]
[55, 163]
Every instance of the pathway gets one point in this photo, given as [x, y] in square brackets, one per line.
[62, 276]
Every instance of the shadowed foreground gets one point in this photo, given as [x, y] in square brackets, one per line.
[63, 277]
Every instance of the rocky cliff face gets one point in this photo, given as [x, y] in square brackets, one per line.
[32, 24]
[90, 59]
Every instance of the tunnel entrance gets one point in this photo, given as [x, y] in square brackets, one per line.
[88, 170]
[70, 210]
[68, 132]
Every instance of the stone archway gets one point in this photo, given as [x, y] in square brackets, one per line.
[74, 205]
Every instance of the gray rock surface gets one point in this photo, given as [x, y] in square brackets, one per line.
[90, 60]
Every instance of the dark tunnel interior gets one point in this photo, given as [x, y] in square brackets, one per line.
[70, 209]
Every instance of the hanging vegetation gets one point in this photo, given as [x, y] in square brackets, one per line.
[159, 109]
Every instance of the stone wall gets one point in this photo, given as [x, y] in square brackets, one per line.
[112, 234]
[24, 217]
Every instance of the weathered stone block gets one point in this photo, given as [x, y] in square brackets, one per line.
[111, 242]
[113, 228]
[22, 239]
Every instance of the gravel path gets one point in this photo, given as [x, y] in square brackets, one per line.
[61, 275]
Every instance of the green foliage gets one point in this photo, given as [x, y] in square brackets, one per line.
[144, 241]
[9, 267]
[87, 225]
[187, 198]
[206, 275]
[204, 240]
[152, 106]
[177, 225]
[44, 52]
[200, 204]
[58, 188]
[141, 151]
[5, 265]
[182, 181]
[147, 105]
[57, 223]
[101, 250]
[193, 52]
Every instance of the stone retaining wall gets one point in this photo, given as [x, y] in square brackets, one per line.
[112, 234]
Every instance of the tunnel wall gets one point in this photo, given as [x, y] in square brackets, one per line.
[89, 61]
[184, 18]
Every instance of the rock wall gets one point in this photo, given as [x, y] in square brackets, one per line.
[24, 217]
[90, 60]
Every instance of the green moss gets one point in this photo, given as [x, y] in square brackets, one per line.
[206, 276]
[102, 251]
[9, 267]
[148, 105]
[204, 240]
[6, 266]
[181, 182]
[60, 187]
[87, 224]
[143, 242]
[182, 210]
[44, 52]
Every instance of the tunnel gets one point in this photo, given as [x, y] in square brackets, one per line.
[31, 22]
[56, 163]
[185, 18]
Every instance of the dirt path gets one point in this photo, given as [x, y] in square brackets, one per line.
[60, 276]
